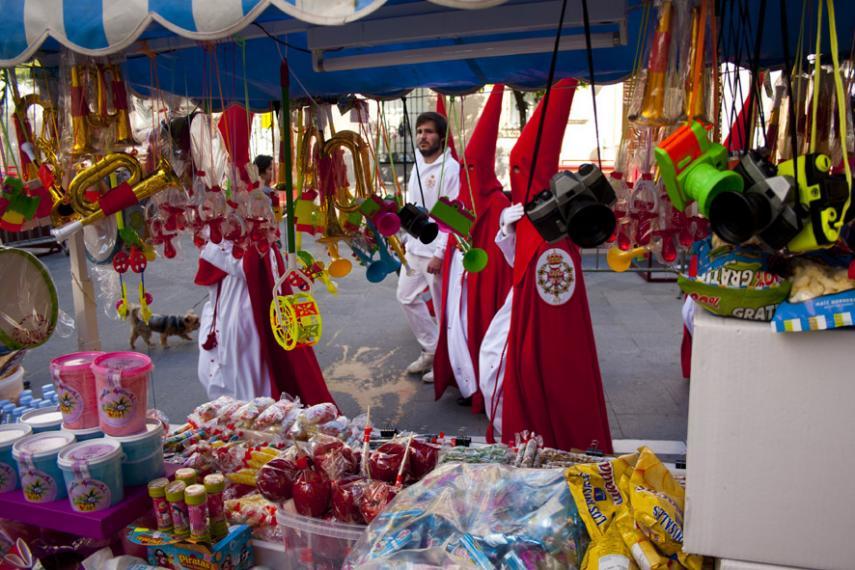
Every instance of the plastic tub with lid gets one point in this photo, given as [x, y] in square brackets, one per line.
[12, 385]
[143, 455]
[41, 478]
[9, 434]
[43, 419]
[311, 542]
[75, 389]
[84, 434]
[93, 474]
[121, 384]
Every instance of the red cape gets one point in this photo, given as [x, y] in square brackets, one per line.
[485, 294]
[295, 372]
[552, 383]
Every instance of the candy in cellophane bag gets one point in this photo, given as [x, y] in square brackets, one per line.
[482, 516]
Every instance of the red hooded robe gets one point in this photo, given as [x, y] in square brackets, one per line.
[552, 384]
[486, 290]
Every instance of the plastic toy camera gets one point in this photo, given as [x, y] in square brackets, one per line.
[824, 197]
[415, 222]
[575, 206]
[766, 209]
[694, 169]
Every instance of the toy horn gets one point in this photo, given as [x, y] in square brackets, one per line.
[619, 260]
[339, 267]
[120, 197]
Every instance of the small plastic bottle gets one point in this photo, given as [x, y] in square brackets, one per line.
[187, 475]
[178, 509]
[215, 484]
[157, 492]
[197, 513]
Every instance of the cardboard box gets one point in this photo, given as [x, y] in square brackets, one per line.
[725, 564]
[233, 552]
[771, 445]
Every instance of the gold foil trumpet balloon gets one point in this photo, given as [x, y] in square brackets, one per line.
[79, 113]
[120, 197]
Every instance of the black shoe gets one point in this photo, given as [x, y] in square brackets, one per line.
[461, 401]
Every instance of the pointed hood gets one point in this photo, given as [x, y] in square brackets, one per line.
[560, 100]
[557, 113]
[480, 155]
[440, 108]
[234, 127]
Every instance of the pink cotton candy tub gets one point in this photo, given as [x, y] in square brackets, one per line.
[75, 389]
[121, 384]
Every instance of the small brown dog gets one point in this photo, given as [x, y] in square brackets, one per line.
[166, 325]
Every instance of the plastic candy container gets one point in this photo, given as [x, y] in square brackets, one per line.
[9, 434]
[75, 389]
[41, 478]
[43, 419]
[121, 383]
[93, 474]
[143, 455]
[84, 434]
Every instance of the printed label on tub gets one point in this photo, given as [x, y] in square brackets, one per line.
[117, 406]
[39, 487]
[70, 403]
[8, 478]
[88, 495]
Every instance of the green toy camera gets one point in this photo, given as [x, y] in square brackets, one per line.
[824, 199]
[694, 169]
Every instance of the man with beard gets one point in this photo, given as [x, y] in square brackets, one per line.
[435, 174]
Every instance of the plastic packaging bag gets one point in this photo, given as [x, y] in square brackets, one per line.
[480, 516]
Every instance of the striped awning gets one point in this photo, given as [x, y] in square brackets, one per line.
[103, 27]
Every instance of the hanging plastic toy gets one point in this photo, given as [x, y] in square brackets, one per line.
[295, 319]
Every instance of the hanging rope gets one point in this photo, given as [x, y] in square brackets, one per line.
[791, 110]
[461, 137]
[755, 78]
[590, 54]
[413, 147]
[549, 81]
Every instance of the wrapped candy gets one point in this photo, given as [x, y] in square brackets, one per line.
[281, 415]
[246, 414]
[481, 516]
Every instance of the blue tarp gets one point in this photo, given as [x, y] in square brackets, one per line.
[90, 26]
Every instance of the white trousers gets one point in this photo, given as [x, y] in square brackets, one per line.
[411, 283]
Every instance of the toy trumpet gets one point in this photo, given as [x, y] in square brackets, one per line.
[339, 266]
[453, 217]
[382, 213]
[118, 198]
[619, 260]
[653, 103]
[378, 270]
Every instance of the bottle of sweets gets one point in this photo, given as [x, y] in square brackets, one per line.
[157, 492]
[178, 508]
[215, 484]
[197, 513]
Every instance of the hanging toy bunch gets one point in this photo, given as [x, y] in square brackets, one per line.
[779, 211]
[672, 87]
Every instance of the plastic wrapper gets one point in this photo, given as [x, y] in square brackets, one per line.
[735, 282]
[28, 305]
[336, 427]
[255, 511]
[333, 457]
[276, 479]
[309, 419]
[213, 409]
[246, 414]
[280, 416]
[497, 453]
[312, 492]
[385, 461]
[477, 516]
[820, 313]
[347, 495]
[812, 279]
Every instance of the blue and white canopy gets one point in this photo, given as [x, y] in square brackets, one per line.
[375, 47]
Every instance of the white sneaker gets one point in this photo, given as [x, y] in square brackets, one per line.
[422, 364]
[428, 378]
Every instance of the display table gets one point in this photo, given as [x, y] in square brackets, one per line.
[771, 445]
[59, 515]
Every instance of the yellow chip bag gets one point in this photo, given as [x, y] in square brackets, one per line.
[641, 549]
[656, 502]
[595, 491]
[608, 552]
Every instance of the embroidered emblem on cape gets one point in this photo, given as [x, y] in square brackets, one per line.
[556, 276]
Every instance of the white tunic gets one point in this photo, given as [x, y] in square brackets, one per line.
[494, 348]
[456, 306]
[234, 367]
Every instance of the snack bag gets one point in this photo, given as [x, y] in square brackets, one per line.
[821, 313]
[595, 491]
[643, 552]
[656, 502]
[735, 282]
[609, 551]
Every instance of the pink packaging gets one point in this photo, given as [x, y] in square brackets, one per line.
[75, 387]
[121, 384]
